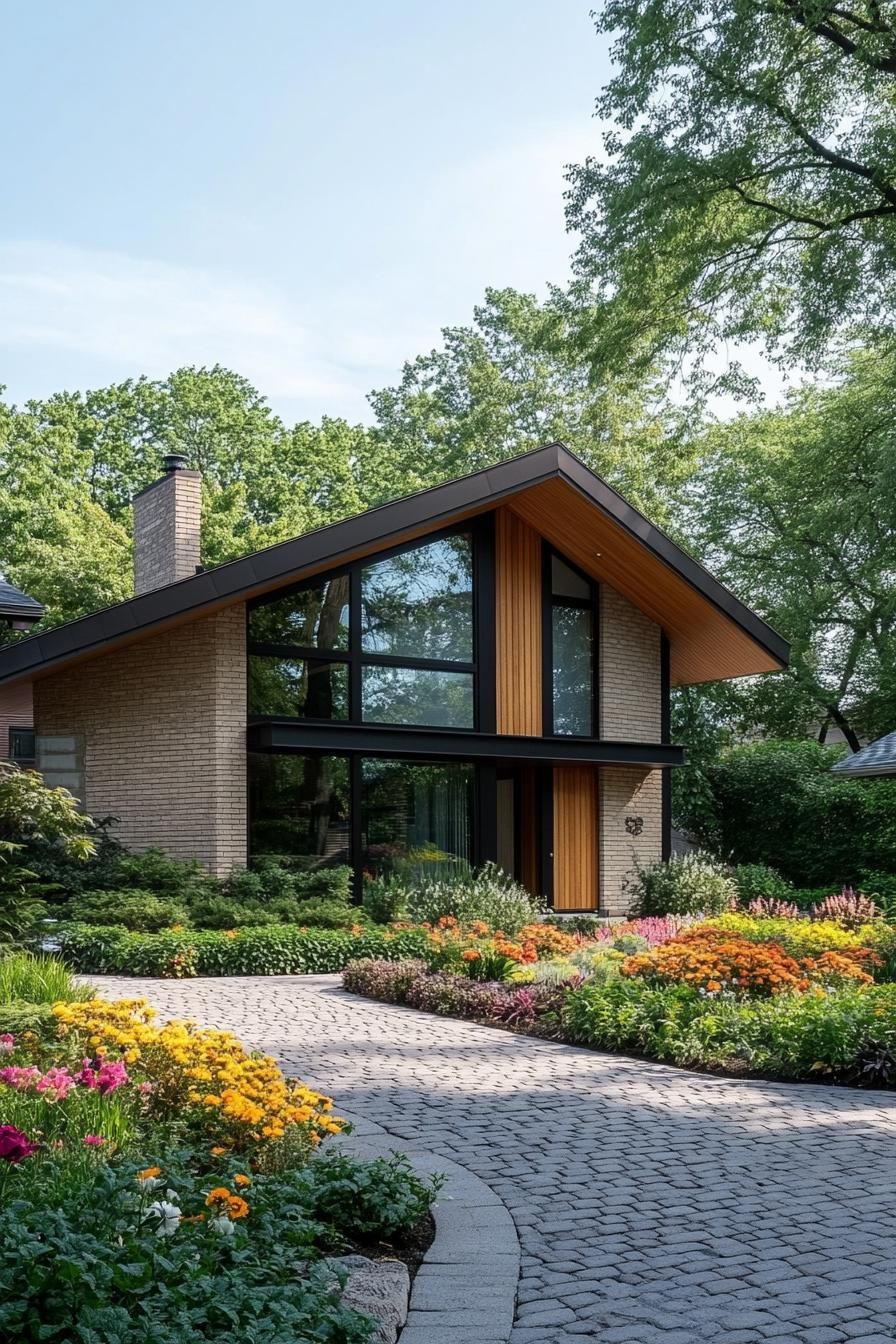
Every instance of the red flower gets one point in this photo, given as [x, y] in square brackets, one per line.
[14, 1145]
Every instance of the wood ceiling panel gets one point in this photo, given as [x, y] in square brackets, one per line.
[705, 644]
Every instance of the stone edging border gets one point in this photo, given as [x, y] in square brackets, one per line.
[465, 1289]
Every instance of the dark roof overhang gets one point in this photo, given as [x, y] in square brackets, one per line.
[403, 519]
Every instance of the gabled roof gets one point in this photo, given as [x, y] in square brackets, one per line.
[878, 758]
[18, 606]
[711, 634]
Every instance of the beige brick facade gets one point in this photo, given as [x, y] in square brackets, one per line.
[630, 671]
[631, 830]
[159, 732]
[166, 530]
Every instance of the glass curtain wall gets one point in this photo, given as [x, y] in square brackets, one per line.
[388, 641]
[410, 817]
[572, 650]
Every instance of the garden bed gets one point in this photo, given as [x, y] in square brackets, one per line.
[739, 995]
[179, 1179]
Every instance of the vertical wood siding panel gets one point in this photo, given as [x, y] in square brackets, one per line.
[518, 621]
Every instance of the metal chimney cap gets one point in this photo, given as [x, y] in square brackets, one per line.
[173, 462]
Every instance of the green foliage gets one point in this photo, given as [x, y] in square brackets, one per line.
[141, 911]
[383, 899]
[689, 884]
[745, 184]
[378, 1201]
[756, 881]
[117, 1269]
[31, 978]
[323, 914]
[29, 811]
[272, 950]
[881, 887]
[628, 1015]
[777, 803]
[488, 894]
[155, 871]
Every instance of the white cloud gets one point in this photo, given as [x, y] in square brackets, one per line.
[150, 317]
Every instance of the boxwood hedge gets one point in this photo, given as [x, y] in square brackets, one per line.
[279, 949]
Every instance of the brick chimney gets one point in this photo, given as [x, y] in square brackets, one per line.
[166, 526]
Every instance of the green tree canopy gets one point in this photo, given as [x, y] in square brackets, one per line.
[748, 182]
[512, 381]
[796, 510]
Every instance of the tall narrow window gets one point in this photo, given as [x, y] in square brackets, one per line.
[572, 608]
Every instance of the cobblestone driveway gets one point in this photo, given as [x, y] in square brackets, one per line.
[651, 1204]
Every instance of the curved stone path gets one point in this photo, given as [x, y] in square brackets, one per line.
[651, 1204]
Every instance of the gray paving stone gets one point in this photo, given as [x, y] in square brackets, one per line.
[652, 1206]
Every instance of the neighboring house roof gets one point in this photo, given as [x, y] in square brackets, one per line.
[878, 758]
[711, 633]
[18, 606]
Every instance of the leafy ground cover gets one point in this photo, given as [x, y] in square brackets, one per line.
[161, 1183]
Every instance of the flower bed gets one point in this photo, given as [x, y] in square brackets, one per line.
[726, 995]
[177, 1178]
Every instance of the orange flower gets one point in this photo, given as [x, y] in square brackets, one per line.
[471, 955]
[241, 1181]
[217, 1197]
[218, 1151]
[149, 1173]
[236, 1207]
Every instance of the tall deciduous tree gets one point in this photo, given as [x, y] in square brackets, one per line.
[512, 381]
[796, 510]
[748, 183]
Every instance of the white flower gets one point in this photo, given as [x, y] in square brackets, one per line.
[223, 1226]
[148, 1182]
[168, 1215]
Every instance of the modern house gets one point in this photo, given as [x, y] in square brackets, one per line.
[477, 671]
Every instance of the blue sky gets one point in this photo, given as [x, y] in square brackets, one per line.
[304, 192]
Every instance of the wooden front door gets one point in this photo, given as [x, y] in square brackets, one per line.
[575, 837]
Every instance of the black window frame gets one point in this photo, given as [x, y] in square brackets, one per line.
[482, 667]
[17, 758]
[548, 603]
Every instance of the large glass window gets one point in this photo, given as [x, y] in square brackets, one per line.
[416, 819]
[314, 618]
[572, 650]
[388, 641]
[421, 696]
[299, 809]
[298, 688]
[419, 604]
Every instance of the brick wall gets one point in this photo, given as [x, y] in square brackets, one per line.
[157, 732]
[167, 516]
[631, 828]
[630, 671]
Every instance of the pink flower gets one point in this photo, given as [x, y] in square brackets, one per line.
[94, 1140]
[20, 1078]
[55, 1084]
[14, 1145]
[7, 1043]
[109, 1076]
[144, 1089]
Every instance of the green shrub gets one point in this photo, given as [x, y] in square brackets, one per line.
[222, 912]
[777, 803]
[378, 1201]
[152, 870]
[881, 887]
[383, 899]
[756, 881]
[586, 924]
[141, 911]
[627, 1014]
[323, 914]
[687, 884]
[325, 884]
[489, 894]
[273, 950]
[246, 886]
[18, 1016]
